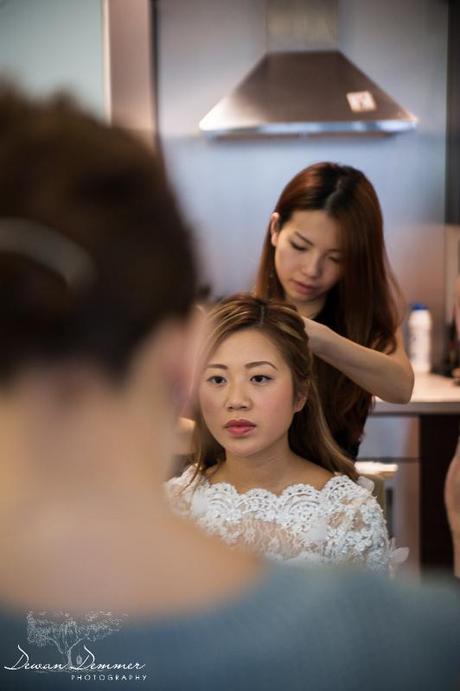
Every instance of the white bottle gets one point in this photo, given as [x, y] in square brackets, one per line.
[420, 324]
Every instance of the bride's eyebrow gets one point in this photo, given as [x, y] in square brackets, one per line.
[249, 365]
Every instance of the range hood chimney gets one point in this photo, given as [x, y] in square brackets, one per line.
[304, 85]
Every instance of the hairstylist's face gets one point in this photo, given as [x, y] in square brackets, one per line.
[308, 259]
[246, 394]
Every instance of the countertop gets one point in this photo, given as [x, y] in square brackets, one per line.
[432, 395]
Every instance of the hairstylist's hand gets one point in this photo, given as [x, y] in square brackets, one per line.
[317, 334]
[452, 501]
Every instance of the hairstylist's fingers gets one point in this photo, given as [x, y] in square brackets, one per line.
[307, 324]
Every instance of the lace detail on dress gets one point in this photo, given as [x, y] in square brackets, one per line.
[342, 522]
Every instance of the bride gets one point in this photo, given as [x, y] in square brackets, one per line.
[267, 474]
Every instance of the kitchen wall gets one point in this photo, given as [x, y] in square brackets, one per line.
[47, 44]
[229, 188]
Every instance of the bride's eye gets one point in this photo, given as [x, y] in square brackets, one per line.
[261, 378]
[216, 379]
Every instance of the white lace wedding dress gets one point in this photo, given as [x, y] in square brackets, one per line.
[340, 523]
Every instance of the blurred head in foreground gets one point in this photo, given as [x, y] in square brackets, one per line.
[94, 255]
[97, 274]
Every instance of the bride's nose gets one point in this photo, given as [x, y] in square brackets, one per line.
[237, 398]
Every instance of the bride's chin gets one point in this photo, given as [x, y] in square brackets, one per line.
[244, 452]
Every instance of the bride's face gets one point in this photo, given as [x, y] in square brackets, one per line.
[246, 394]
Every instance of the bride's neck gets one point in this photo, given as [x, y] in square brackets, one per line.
[271, 469]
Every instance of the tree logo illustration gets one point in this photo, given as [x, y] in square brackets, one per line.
[68, 632]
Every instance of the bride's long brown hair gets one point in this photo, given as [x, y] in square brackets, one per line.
[365, 306]
[308, 435]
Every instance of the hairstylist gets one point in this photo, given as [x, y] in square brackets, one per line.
[324, 252]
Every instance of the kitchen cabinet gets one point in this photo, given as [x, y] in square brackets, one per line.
[422, 432]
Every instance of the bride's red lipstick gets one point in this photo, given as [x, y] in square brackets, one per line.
[240, 427]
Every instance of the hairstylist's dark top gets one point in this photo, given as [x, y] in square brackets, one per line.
[296, 629]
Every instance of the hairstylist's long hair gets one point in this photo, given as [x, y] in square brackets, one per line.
[308, 435]
[365, 306]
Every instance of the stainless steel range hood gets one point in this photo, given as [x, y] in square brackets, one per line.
[305, 92]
